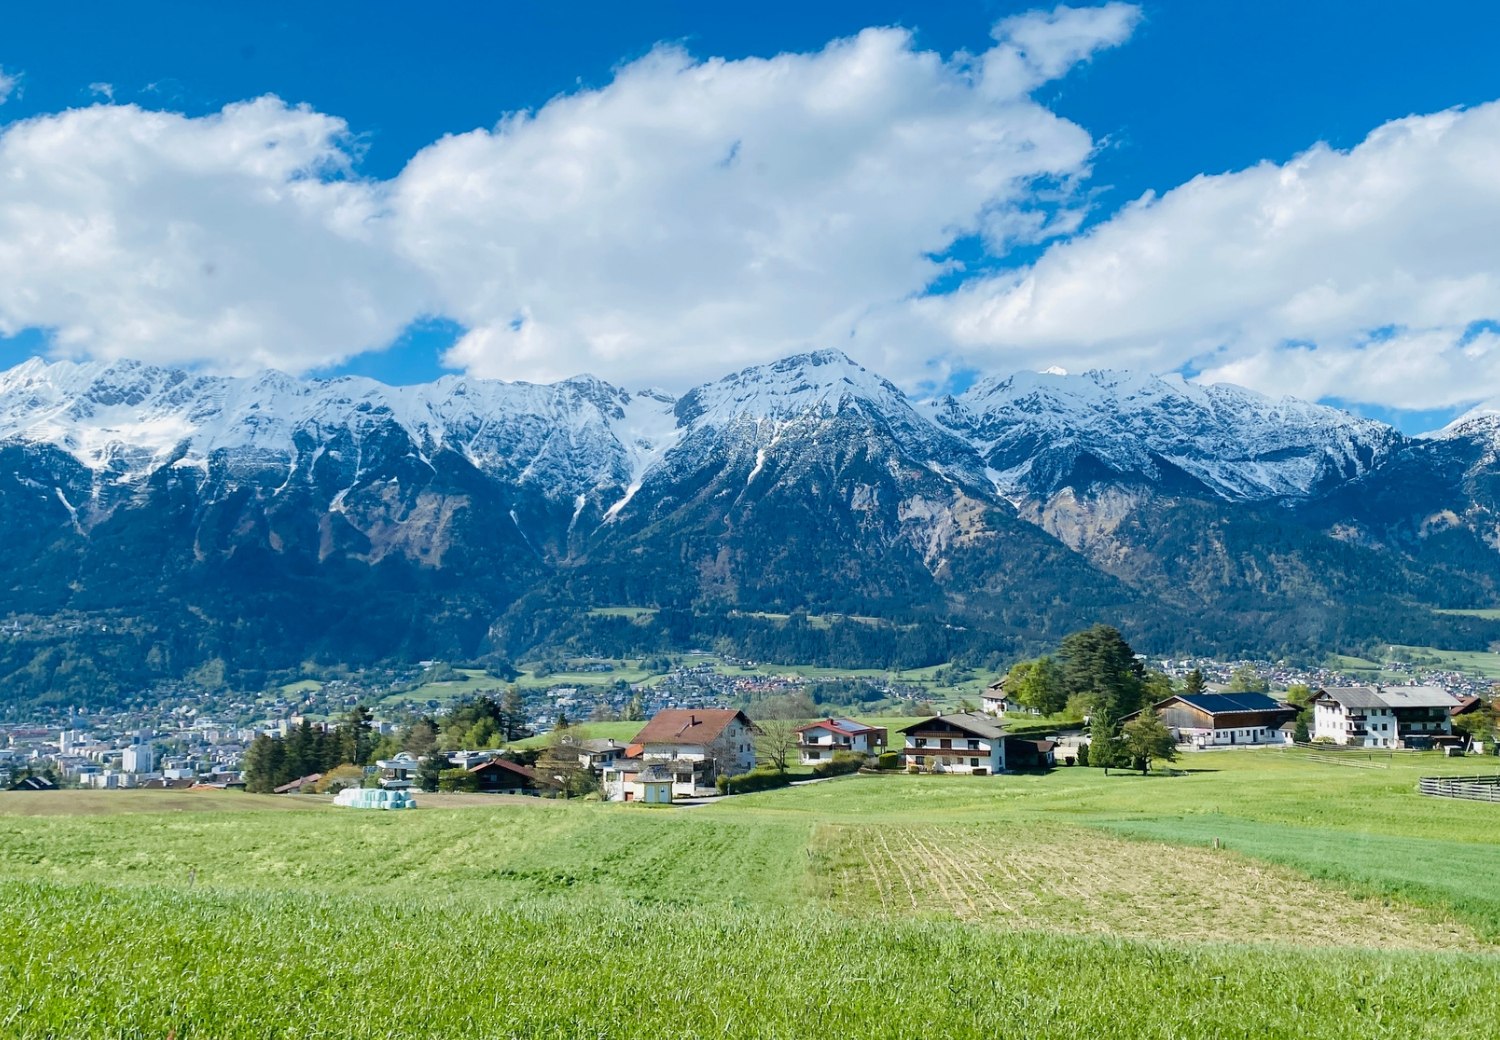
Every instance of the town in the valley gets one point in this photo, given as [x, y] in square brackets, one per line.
[704, 727]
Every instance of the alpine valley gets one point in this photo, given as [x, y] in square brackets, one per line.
[154, 520]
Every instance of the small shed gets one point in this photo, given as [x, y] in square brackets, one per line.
[652, 785]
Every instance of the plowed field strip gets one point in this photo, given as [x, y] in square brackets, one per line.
[1061, 879]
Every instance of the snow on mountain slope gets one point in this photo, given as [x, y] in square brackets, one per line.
[585, 441]
[773, 403]
[1040, 431]
[123, 420]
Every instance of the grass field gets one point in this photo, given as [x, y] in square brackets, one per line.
[1477, 662]
[1339, 903]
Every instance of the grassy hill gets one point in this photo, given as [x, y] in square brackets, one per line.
[1338, 903]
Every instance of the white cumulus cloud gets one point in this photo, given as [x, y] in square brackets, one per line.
[235, 240]
[9, 81]
[687, 216]
[694, 215]
[1365, 274]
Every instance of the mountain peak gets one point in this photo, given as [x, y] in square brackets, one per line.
[1041, 431]
[822, 381]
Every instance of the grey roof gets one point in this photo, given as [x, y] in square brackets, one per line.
[1391, 696]
[1354, 696]
[654, 774]
[975, 722]
[599, 745]
[1417, 697]
[1229, 703]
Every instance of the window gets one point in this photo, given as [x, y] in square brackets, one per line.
[944, 743]
[920, 742]
[921, 759]
[973, 745]
[973, 762]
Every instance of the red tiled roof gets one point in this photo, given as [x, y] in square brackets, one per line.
[688, 726]
[848, 727]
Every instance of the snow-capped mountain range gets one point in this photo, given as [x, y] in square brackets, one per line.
[263, 521]
[1023, 435]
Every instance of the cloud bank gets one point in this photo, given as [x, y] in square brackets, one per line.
[688, 215]
[692, 215]
[1369, 275]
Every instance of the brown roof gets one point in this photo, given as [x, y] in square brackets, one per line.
[163, 784]
[514, 767]
[296, 785]
[688, 726]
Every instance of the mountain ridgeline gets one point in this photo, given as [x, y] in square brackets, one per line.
[155, 521]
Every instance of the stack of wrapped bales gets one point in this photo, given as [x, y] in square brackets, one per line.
[374, 798]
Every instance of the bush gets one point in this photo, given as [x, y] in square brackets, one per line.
[457, 780]
[842, 762]
[890, 760]
[338, 778]
[1083, 754]
[758, 779]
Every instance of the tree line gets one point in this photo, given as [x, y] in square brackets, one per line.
[483, 722]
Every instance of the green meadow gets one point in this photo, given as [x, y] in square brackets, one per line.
[1252, 894]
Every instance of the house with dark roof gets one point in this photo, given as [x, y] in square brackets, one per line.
[966, 742]
[995, 701]
[1383, 716]
[1224, 719]
[299, 785]
[34, 783]
[597, 754]
[502, 776]
[817, 741]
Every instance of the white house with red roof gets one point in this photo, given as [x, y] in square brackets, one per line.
[818, 741]
[697, 745]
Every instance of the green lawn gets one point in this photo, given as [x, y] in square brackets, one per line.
[1478, 662]
[474, 682]
[1339, 904]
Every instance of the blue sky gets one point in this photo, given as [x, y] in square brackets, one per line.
[1170, 92]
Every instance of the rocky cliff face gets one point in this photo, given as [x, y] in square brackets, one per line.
[276, 516]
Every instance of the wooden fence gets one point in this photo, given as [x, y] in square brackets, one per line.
[1344, 755]
[1474, 788]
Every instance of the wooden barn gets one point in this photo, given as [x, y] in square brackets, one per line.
[1225, 719]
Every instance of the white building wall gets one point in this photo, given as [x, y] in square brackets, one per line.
[989, 756]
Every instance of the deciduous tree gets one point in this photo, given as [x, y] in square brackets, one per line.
[1038, 685]
[1145, 738]
[776, 742]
